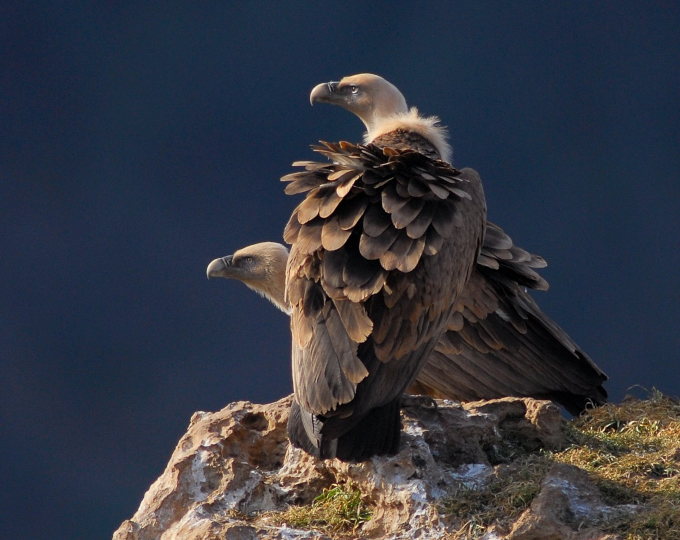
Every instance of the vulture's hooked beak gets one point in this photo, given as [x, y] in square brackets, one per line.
[323, 92]
[220, 267]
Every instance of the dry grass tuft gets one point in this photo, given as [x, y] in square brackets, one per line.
[501, 500]
[632, 452]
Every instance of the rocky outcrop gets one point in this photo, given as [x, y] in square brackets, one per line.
[569, 507]
[233, 473]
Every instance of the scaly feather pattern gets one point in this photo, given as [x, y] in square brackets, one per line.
[382, 246]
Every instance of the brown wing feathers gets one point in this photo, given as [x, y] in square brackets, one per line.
[515, 264]
[500, 343]
[398, 227]
[354, 276]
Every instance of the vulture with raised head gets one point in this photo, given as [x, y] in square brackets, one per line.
[498, 343]
[381, 249]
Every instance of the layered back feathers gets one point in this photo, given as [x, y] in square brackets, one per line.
[368, 219]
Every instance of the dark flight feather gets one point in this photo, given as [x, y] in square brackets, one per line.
[407, 213]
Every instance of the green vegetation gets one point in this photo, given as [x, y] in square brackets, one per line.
[339, 509]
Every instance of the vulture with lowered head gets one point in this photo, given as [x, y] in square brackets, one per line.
[530, 357]
[262, 267]
[382, 247]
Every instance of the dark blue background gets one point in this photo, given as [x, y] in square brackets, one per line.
[138, 141]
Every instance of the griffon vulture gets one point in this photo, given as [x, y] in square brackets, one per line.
[371, 251]
[530, 357]
[381, 249]
[499, 340]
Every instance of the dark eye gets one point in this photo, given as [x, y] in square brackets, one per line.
[354, 89]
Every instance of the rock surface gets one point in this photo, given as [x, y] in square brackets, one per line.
[233, 471]
[569, 507]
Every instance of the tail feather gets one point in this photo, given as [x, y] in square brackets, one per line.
[298, 431]
[378, 433]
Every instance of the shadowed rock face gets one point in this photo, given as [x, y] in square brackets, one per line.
[235, 465]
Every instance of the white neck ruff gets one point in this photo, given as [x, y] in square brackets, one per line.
[426, 126]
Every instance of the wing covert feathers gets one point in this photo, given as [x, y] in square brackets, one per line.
[418, 203]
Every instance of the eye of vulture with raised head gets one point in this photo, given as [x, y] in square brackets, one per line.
[381, 248]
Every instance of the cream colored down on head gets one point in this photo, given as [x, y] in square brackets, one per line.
[382, 108]
[262, 267]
